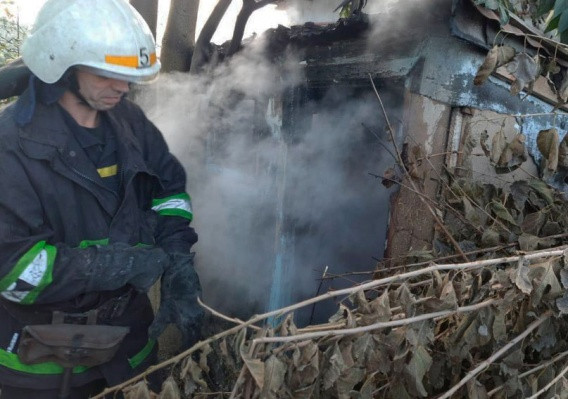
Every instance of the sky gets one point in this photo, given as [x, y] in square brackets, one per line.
[260, 21]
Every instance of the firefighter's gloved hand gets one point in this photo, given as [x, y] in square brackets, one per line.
[117, 265]
[180, 288]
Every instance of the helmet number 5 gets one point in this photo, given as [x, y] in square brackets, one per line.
[144, 57]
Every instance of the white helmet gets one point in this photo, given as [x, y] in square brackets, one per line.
[106, 37]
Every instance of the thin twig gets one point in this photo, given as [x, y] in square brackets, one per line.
[550, 384]
[328, 295]
[463, 193]
[224, 317]
[411, 181]
[401, 184]
[443, 258]
[317, 292]
[541, 366]
[240, 379]
[496, 355]
[380, 141]
[376, 326]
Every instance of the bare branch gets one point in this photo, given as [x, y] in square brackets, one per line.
[411, 181]
[497, 355]
[376, 326]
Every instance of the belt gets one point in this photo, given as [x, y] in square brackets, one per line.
[104, 313]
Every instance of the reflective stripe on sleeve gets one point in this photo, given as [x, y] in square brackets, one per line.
[32, 273]
[175, 205]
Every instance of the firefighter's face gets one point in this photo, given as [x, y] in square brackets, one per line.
[101, 93]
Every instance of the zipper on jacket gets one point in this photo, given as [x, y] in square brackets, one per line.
[84, 176]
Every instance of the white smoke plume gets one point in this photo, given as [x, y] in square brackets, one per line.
[279, 192]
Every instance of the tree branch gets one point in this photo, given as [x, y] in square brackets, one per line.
[497, 355]
[249, 6]
[375, 326]
[200, 54]
[328, 295]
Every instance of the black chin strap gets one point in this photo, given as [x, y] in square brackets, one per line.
[71, 77]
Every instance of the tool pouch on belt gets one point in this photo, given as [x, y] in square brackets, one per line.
[70, 345]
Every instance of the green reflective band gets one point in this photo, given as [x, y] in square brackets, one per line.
[35, 267]
[90, 243]
[175, 205]
[138, 358]
[104, 241]
[11, 361]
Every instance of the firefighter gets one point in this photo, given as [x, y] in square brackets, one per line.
[93, 210]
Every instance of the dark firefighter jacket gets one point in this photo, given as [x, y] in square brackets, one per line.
[53, 205]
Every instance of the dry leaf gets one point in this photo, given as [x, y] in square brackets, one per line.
[138, 391]
[170, 389]
[497, 56]
[562, 91]
[514, 154]
[419, 364]
[547, 143]
[255, 367]
[336, 366]
[203, 358]
[563, 152]
[483, 142]
[498, 145]
[389, 178]
[275, 370]
[476, 390]
[525, 69]
[521, 277]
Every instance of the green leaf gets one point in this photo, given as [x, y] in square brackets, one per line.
[553, 24]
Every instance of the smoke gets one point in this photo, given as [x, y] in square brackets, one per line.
[279, 178]
[396, 24]
[322, 11]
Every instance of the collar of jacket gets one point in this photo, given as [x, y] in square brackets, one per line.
[47, 135]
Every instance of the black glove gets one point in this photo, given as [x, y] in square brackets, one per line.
[113, 266]
[180, 288]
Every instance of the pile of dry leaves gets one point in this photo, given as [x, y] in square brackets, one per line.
[490, 327]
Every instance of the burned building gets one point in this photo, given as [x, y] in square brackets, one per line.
[303, 206]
